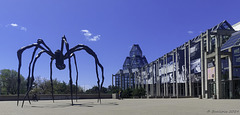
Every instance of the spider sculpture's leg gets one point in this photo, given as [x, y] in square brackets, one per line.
[69, 64]
[91, 52]
[29, 71]
[19, 55]
[74, 57]
[51, 78]
[99, 90]
[70, 75]
[32, 79]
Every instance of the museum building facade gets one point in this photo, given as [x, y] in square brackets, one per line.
[207, 66]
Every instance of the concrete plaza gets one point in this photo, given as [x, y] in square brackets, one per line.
[186, 106]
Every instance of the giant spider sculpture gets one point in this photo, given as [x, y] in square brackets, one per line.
[59, 57]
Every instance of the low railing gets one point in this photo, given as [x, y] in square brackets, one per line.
[56, 97]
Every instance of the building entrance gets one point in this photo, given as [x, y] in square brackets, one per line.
[225, 89]
[211, 92]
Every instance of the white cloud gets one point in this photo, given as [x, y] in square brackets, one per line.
[14, 25]
[190, 32]
[87, 34]
[85, 31]
[23, 28]
[89, 37]
[95, 38]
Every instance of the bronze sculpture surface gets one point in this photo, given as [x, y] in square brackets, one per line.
[59, 57]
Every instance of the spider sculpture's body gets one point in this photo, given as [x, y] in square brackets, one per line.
[59, 57]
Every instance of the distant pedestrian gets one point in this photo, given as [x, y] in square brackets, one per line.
[34, 98]
[120, 95]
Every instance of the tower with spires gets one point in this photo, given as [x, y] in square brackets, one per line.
[124, 78]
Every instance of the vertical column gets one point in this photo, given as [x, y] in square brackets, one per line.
[156, 76]
[208, 41]
[146, 70]
[120, 88]
[164, 86]
[167, 93]
[117, 81]
[142, 78]
[206, 83]
[151, 77]
[157, 79]
[174, 77]
[202, 66]
[176, 72]
[218, 68]
[230, 75]
[135, 80]
[189, 68]
[112, 79]
[123, 81]
[139, 78]
[160, 77]
[129, 79]
[185, 68]
[206, 88]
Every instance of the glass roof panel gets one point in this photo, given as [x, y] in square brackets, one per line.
[233, 41]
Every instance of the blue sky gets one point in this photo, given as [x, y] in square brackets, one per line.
[109, 27]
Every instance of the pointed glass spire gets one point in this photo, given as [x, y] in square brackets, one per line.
[135, 51]
[136, 60]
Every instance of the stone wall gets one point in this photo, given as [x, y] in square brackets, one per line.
[56, 97]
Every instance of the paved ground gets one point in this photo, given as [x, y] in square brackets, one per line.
[125, 107]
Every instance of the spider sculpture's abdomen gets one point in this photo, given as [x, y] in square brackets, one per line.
[59, 60]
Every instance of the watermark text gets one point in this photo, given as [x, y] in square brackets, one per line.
[223, 111]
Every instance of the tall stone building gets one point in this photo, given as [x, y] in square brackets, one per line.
[124, 78]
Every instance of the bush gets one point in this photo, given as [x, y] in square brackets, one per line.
[139, 92]
[129, 93]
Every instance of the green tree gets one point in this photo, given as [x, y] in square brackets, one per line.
[9, 82]
[43, 86]
[94, 90]
[139, 92]
[104, 90]
[113, 89]
[63, 88]
[127, 93]
[1, 85]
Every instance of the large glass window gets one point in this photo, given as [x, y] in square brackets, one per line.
[224, 39]
[212, 44]
[236, 72]
[224, 65]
